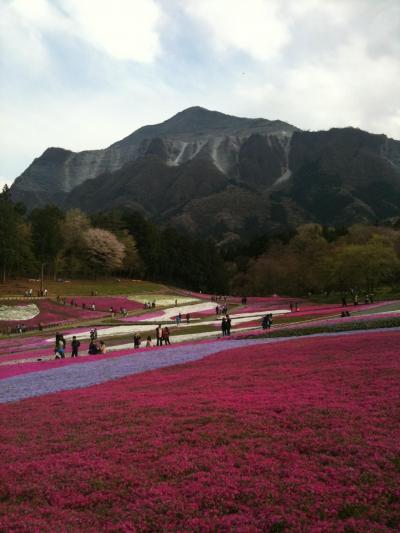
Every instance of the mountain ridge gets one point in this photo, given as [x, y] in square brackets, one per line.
[221, 175]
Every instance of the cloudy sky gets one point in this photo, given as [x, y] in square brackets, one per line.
[82, 74]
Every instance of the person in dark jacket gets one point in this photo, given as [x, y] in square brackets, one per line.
[223, 326]
[228, 324]
[75, 346]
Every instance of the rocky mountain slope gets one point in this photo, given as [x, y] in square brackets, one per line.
[225, 176]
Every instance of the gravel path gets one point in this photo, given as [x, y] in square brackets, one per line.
[91, 373]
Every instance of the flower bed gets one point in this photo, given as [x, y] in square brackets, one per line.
[103, 303]
[309, 329]
[13, 313]
[297, 436]
[53, 313]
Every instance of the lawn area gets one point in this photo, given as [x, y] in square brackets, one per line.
[107, 286]
[301, 435]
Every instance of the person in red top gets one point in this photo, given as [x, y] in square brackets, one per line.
[165, 335]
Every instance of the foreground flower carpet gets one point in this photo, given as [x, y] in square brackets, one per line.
[249, 435]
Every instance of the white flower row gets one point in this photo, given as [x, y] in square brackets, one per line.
[18, 312]
[163, 299]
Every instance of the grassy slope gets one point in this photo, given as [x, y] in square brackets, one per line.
[103, 287]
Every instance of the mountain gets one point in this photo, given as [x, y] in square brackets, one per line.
[226, 176]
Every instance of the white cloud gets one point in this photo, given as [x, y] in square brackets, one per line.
[350, 88]
[21, 43]
[124, 29]
[255, 27]
[84, 73]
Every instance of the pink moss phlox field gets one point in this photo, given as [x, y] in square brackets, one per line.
[103, 303]
[301, 436]
[353, 318]
[52, 313]
[17, 369]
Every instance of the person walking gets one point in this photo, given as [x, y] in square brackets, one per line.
[60, 347]
[187, 318]
[264, 322]
[223, 326]
[228, 324]
[136, 340]
[165, 335]
[75, 346]
[159, 335]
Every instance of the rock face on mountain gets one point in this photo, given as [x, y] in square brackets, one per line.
[195, 133]
[225, 176]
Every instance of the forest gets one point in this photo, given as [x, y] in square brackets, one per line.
[310, 259]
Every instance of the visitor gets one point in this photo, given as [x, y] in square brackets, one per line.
[136, 340]
[228, 324]
[93, 349]
[264, 323]
[344, 301]
[91, 334]
[177, 320]
[165, 335]
[187, 318]
[102, 347]
[159, 335]
[291, 307]
[223, 326]
[75, 346]
[149, 342]
[355, 299]
[95, 333]
[180, 317]
[60, 348]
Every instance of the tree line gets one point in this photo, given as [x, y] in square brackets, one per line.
[72, 244]
[316, 259]
[311, 259]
